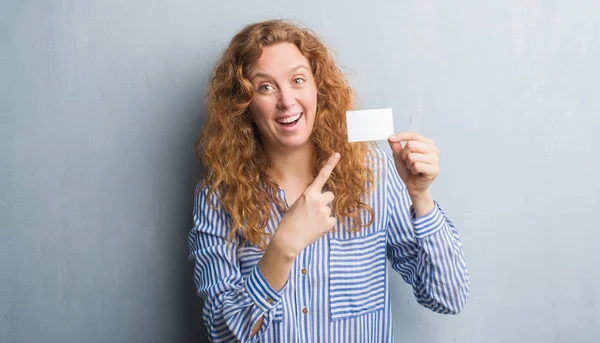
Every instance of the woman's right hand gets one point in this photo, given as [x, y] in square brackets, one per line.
[306, 221]
[309, 218]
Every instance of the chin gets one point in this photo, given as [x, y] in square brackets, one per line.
[295, 143]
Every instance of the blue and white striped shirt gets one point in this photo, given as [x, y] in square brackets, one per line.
[337, 290]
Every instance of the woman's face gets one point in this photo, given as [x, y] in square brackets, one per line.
[284, 103]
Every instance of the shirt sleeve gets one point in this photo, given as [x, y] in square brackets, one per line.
[425, 251]
[232, 304]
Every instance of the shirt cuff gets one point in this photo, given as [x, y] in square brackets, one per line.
[263, 295]
[429, 223]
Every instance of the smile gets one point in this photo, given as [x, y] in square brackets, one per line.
[289, 120]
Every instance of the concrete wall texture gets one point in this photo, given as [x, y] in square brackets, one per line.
[100, 102]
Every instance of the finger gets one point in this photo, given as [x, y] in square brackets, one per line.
[325, 172]
[418, 147]
[327, 211]
[327, 198]
[425, 169]
[409, 136]
[396, 147]
[414, 157]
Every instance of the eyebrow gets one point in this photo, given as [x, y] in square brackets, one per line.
[265, 75]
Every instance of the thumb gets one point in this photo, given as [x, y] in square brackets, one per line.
[401, 168]
[396, 146]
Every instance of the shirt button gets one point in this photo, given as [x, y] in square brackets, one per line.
[304, 271]
[269, 300]
[304, 310]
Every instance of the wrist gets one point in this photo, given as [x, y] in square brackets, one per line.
[422, 203]
[280, 248]
[275, 264]
[420, 196]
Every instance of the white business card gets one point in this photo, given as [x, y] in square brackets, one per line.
[369, 125]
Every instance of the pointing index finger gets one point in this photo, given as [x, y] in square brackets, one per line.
[325, 172]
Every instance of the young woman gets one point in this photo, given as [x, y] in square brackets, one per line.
[293, 225]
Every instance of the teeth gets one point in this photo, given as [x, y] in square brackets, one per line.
[289, 119]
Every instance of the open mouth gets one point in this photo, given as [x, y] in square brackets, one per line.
[290, 121]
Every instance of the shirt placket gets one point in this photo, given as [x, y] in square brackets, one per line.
[304, 292]
[303, 289]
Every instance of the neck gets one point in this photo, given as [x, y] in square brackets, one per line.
[292, 165]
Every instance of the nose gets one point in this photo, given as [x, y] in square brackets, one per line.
[286, 98]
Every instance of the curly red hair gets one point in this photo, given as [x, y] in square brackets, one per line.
[229, 145]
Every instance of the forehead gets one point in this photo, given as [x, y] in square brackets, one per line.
[279, 56]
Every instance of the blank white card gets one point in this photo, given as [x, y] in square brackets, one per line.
[369, 125]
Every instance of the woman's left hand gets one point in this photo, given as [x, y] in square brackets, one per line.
[417, 162]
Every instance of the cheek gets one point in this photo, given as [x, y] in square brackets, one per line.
[312, 98]
[311, 103]
[314, 101]
[259, 110]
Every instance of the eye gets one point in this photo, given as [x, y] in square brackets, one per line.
[298, 80]
[265, 88]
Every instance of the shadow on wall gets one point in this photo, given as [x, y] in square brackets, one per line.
[192, 304]
[193, 312]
